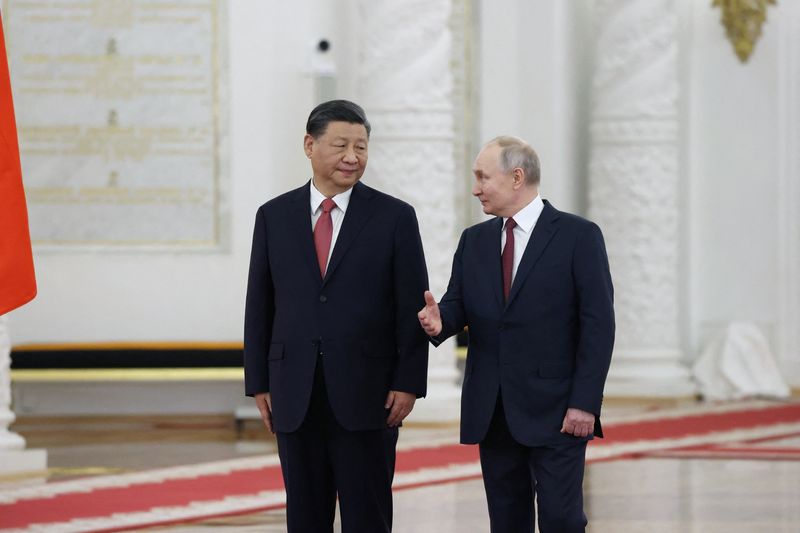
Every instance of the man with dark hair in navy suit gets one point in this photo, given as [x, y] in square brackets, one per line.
[333, 355]
[534, 288]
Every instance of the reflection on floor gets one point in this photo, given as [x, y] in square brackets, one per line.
[754, 489]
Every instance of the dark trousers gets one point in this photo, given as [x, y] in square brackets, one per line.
[322, 460]
[514, 473]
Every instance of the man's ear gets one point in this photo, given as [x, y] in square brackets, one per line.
[519, 177]
[308, 144]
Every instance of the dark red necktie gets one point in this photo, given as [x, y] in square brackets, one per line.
[323, 233]
[508, 257]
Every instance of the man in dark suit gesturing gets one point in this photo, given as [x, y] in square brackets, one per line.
[533, 287]
[333, 352]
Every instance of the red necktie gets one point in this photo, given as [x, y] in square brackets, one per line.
[323, 233]
[508, 257]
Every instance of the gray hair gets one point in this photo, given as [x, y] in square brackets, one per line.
[516, 153]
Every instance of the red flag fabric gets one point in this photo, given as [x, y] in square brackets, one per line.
[17, 279]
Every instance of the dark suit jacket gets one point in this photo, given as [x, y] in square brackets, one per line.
[549, 347]
[362, 317]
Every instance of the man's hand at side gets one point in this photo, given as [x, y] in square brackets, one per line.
[578, 423]
[264, 404]
[400, 403]
[429, 317]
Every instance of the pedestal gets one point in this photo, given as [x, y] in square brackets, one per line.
[14, 458]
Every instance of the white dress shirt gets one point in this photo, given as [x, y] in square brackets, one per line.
[526, 219]
[337, 213]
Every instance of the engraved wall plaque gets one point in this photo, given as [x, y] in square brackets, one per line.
[120, 120]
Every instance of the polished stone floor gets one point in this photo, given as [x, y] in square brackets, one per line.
[648, 495]
[630, 496]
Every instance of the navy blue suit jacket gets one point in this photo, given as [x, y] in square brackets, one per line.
[362, 317]
[549, 347]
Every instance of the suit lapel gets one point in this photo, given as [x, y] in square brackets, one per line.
[543, 231]
[358, 212]
[490, 256]
[300, 221]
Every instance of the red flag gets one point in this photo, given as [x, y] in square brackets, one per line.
[17, 279]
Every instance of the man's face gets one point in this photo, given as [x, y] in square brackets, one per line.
[338, 156]
[494, 188]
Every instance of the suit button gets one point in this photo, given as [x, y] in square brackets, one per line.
[501, 327]
[323, 298]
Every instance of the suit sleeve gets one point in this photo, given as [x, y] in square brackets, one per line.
[410, 283]
[451, 306]
[595, 296]
[259, 312]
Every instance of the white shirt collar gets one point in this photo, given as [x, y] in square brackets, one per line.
[527, 216]
[342, 199]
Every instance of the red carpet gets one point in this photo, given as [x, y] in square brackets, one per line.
[777, 448]
[113, 503]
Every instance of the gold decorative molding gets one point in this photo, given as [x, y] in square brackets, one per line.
[743, 20]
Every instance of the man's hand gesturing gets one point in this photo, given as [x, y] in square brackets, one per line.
[429, 317]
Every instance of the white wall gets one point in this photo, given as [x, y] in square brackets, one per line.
[95, 297]
[534, 59]
[733, 164]
[527, 90]
[533, 70]
[789, 192]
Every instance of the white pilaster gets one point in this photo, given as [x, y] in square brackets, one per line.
[634, 176]
[406, 86]
[13, 455]
[788, 341]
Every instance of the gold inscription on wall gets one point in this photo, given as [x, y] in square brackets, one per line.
[118, 118]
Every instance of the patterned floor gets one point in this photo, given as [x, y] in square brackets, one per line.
[685, 469]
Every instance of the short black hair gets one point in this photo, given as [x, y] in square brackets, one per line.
[335, 111]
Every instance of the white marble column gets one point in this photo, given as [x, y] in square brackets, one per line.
[406, 86]
[634, 186]
[13, 455]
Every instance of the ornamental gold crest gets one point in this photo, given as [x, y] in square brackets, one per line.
[743, 20]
